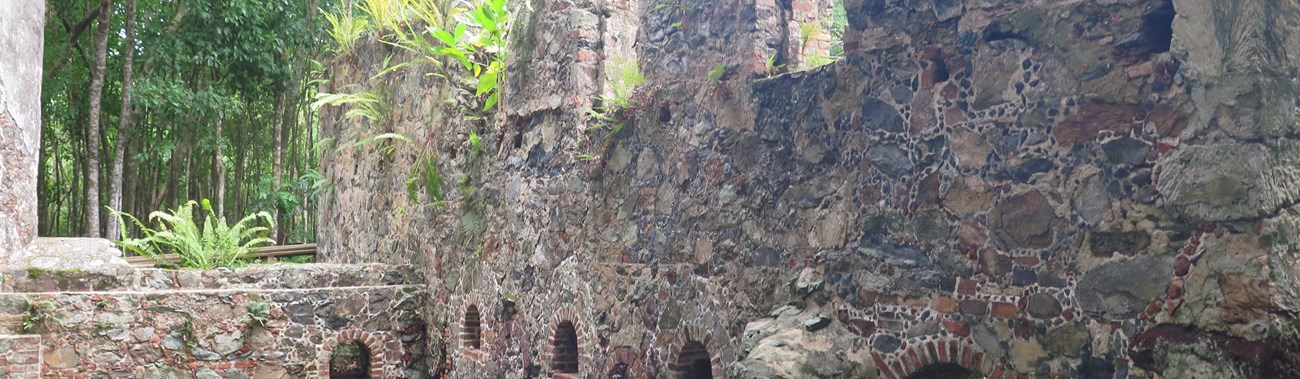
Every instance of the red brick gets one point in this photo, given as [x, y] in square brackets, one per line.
[1027, 260]
[974, 307]
[956, 327]
[1005, 310]
[944, 304]
[884, 367]
[967, 286]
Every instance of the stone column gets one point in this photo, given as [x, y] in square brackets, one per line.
[22, 44]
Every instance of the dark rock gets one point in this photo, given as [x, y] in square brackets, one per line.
[1126, 150]
[1096, 368]
[300, 313]
[1043, 306]
[879, 115]
[1023, 171]
[1121, 290]
[1106, 244]
[907, 257]
[1023, 277]
[816, 323]
[1022, 221]
[890, 160]
[885, 343]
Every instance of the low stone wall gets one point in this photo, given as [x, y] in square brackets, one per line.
[276, 321]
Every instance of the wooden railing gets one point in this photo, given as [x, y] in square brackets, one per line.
[280, 251]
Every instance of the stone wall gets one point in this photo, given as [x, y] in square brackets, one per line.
[1031, 189]
[20, 121]
[157, 323]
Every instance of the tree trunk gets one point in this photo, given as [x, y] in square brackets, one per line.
[115, 181]
[219, 171]
[277, 169]
[92, 127]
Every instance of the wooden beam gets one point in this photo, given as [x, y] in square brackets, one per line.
[279, 251]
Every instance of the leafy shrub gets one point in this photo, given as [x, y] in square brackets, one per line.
[207, 245]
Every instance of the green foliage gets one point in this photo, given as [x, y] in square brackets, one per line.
[624, 77]
[475, 142]
[717, 73]
[426, 174]
[345, 30]
[369, 105]
[257, 314]
[38, 316]
[207, 245]
[387, 148]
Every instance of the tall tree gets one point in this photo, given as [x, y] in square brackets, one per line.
[92, 127]
[119, 156]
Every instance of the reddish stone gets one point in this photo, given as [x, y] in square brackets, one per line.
[884, 367]
[1182, 265]
[1067, 314]
[944, 304]
[943, 350]
[954, 116]
[1175, 290]
[1027, 260]
[971, 233]
[974, 307]
[1169, 121]
[1093, 118]
[998, 372]
[1022, 220]
[967, 286]
[949, 92]
[956, 327]
[995, 263]
[932, 53]
[1005, 310]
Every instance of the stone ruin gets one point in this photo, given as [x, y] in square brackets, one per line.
[978, 188]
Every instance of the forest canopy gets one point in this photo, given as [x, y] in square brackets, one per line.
[149, 105]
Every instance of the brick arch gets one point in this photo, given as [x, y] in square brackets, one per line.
[918, 354]
[690, 341]
[461, 328]
[470, 323]
[373, 341]
[625, 361]
[585, 336]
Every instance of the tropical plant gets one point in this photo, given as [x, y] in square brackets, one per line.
[369, 105]
[207, 245]
[345, 30]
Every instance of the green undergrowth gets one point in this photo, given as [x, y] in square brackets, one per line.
[203, 243]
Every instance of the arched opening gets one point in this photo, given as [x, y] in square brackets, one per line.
[693, 362]
[945, 371]
[350, 361]
[619, 371]
[470, 331]
[564, 360]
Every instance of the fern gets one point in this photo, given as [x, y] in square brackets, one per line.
[365, 104]
[208, 245]
[345, 30]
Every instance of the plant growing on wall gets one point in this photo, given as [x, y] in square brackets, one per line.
[38, 316]
[345, 30]
[257, 314]
[207, 245]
